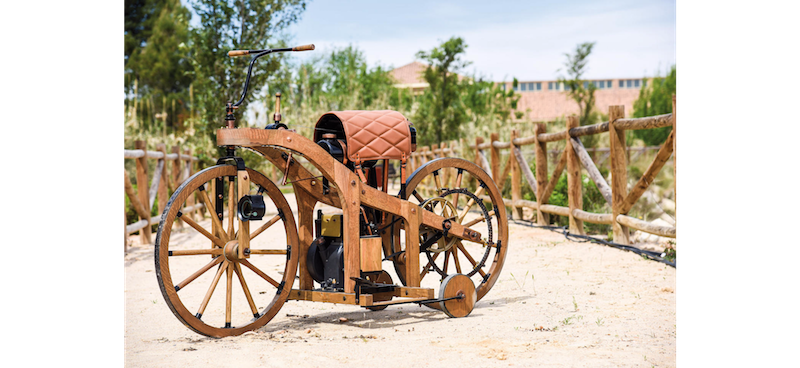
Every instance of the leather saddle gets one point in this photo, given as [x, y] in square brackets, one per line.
[370, 135]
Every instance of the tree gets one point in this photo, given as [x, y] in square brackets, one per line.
[441, 109]
[351, 84]
[576, 88]
[488, 104]
[229, 25]
[155, 54]
[655, 99]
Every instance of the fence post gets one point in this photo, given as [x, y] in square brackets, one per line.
[125, 226]
[675, 158]
[540, 149]
[478, 142]
[574, 182]
[176, 168]
[619, 172]
[141, 184]
[495, 161]
[189, 169]
[516, 178]
[163, 193]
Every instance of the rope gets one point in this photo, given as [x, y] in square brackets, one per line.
[583, 239]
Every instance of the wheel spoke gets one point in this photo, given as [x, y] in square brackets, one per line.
[266, 226]
[268, 251]
[446, 261]
[197, 273]
[469, 257]
[247, 295]
[428, 266]
[213, 215]
[418, 197]
[211, 288]
[457, 186]
[454, 250]
[260, 273]
[479, 219]
[228, 298]
[438, 182]
[196, 252]
[470, 203]
[217, 241]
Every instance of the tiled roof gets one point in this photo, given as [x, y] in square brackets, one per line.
[410, 73]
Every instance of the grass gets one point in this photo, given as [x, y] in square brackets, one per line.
[524, 279]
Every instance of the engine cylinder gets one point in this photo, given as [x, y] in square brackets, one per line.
[332, 146]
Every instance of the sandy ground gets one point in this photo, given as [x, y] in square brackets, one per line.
[556, 303]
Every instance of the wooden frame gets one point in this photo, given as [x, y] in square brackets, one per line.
[349, 194]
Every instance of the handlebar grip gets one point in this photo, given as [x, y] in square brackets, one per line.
[303, 48]
[235, 53]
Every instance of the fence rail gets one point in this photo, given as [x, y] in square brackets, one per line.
[164, 181]
[573, 158]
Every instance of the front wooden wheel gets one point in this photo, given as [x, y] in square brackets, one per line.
[440, 186]
[195, 253]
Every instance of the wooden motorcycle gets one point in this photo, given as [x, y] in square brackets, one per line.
[446, 227]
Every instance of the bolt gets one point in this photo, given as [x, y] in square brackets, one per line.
[220, 196]
[288, 139]
[363, 191]
[354, 203]
[313, 182]
[413, 210]
[353, 183]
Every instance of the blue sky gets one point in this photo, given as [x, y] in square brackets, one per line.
[523, 39]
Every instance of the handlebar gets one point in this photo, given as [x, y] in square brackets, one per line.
[235, 53]
[258, 54]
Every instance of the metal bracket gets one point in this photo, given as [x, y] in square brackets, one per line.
[238, 161]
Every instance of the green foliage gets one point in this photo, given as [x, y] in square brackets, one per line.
[340, 80]
[655, 99]
[226, 25]
[593, 202]
[156, 60]
[452, 101]
[441, 109]
[574, 83]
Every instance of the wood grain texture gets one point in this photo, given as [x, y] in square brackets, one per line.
[495, 153]
[649, 175]
[516, 178]
[588, 130]
[540, 150]
[619, 172]
[645, 226]
[595, 218]
[649, 122]
[526, 170]
[591, 170]
[574, 182]
[141, 185]
[552, 137]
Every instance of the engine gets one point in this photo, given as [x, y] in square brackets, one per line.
[325, 257]
[360, 140]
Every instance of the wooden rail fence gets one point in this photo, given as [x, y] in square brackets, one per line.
[164, 181]
[573, 157]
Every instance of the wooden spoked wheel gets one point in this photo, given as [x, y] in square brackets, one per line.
[440, 186]
[194, 258]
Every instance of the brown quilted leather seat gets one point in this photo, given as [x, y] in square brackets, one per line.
[370, 135]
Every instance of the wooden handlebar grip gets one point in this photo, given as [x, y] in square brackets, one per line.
[303, 48]
[235, 53]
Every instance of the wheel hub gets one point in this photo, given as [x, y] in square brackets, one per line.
[231, 251]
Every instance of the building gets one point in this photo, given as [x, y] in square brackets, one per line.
[542, 101]
[410, 76]
[545, 100]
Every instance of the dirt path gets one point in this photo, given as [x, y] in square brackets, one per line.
[556, 303]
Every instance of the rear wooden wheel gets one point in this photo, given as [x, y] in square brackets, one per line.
[204, 279]
[479, 206]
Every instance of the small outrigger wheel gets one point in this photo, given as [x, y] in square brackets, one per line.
[461, 288]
